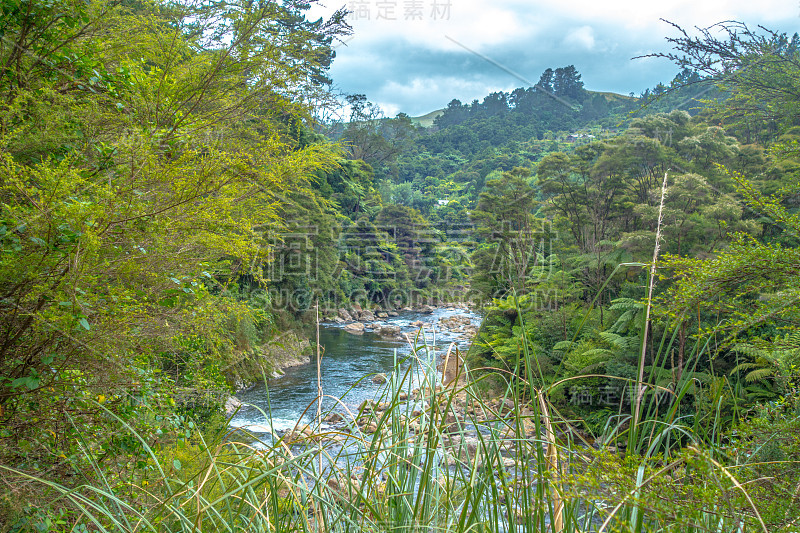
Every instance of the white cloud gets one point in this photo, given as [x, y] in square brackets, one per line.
[411, 65]
[582, 37]
[413, 95]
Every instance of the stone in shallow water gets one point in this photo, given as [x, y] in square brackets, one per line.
[390, 331]
[355, 328]
[333, 418]
[231, 405]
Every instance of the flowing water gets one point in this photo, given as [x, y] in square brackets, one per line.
[348, 365]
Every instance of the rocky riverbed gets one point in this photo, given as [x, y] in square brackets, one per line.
[456, 419]
[358, 357]
[357, 321]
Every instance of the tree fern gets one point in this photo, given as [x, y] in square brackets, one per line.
[772, 359]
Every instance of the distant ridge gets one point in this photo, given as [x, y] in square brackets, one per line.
[614, 96]
[426, 121]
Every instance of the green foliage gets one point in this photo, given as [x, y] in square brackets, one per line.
[166, 205]
[777, 359]
[418, 470]
[504, 217]
[758, 68]
[147, 152]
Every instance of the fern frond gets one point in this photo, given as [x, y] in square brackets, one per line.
[759, 375]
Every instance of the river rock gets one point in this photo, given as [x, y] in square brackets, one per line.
[455, 322]
[232, 405]
[333, 418]
[366, 316]
[452, 369]
[345, 315]
[393, 313]
[300, 433]
[382, 314]
[379, 379]
[509, 463]
[285, 351]
[390, 331]
[427, 309]
[356, 328]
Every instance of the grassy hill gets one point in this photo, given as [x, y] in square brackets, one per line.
[426, 121]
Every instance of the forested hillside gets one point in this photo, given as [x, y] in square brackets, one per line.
[171, 204]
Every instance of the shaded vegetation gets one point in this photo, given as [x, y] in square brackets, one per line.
[169, 207]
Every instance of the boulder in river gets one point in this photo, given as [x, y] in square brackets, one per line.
[345, 315]
[333, 418]
[300, 433]
[366, 316]
[379, 379]
[232, 405]
[390, 331]
[356, 328]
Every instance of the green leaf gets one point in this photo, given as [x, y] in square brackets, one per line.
[168, 302]
[85, 323]
[29, 381]
[176, 464]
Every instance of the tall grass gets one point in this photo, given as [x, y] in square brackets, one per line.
[424, 457]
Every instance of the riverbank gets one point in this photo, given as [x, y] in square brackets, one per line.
[354, 364]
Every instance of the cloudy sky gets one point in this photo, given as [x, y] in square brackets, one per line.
[415, 56]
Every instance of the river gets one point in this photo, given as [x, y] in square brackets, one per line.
[348, 364]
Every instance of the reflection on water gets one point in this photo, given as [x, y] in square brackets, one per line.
[348, 363]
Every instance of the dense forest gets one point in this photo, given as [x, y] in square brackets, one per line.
[171, 202]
